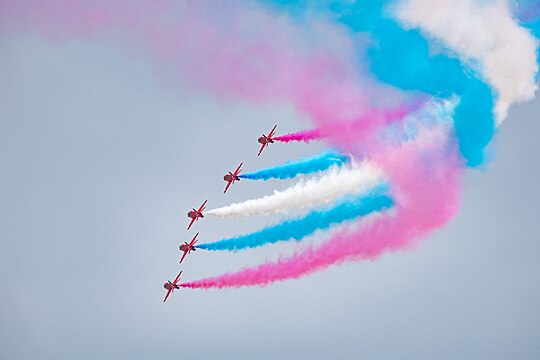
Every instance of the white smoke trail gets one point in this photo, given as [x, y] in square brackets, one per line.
[483, 33]
[335, 183]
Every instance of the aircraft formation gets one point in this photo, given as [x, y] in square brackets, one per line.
[196, 214]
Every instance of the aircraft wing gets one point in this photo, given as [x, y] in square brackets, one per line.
[237, 171]
[202, 206]
[262, 148]
[183, 256]
[194, 240]
[191, 223]
[273, 131]
[177, 277]
[168, 293]
[227, 187]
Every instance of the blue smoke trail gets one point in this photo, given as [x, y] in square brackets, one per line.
[297, 229]
[401, 58]
[528, 13]
[309, 165]
[532, 20]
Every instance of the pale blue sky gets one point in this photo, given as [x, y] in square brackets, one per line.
[100, 160]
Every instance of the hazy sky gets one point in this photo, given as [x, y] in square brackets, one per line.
[101, 158]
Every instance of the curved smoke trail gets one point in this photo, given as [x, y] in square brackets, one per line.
[425, 180]
[297, 229]
[354, 71]
[483, 32]
[309, 165]
[214, 46]
[403, 58]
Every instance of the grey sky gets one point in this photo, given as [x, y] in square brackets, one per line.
[100, 160]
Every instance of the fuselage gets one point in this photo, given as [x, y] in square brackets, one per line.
[265, 140]
[231, 177]
[186, 247]
[170, 286]
[194, 214]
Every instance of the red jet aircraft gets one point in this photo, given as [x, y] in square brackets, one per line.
[266, 139]
[187, 248]
[171, 286]
[230, 178]
[196, 214]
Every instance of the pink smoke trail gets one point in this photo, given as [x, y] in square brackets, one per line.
[243, 51]
[232, 49]
[426, 189]
[305, 136]
[357, 135]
